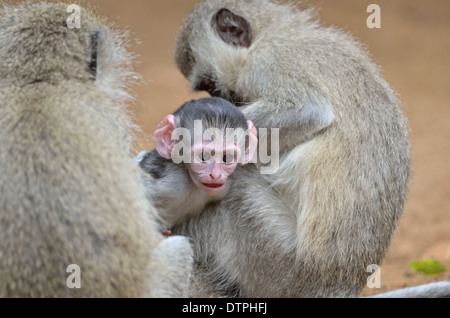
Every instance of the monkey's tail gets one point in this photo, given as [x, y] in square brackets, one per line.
[433, 290]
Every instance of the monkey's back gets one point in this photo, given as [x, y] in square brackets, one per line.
[52, 165]
[70, 191]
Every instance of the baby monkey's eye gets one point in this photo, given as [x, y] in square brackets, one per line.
[203, 156]
[228, 159]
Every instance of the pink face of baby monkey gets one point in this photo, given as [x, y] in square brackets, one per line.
[211, 162]
[211, 166]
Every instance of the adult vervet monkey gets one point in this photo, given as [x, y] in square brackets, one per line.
[70, 191]
[312, 228]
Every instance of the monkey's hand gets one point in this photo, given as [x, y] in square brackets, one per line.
[297, 121]
[175, 261]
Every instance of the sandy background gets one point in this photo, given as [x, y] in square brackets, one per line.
[412, 47]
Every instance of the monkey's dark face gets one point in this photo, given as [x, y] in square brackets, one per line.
[209, 85]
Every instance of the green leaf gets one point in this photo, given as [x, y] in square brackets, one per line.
[428, 266]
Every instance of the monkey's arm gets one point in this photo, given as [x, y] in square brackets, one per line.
[298, 119]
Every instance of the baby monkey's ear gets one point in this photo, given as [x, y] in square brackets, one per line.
[163, 136]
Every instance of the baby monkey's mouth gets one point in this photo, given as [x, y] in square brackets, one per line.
[210, 86]
[213, 185]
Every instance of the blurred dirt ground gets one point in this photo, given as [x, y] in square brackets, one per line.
[413, 48]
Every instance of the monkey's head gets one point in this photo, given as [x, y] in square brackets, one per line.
[216, 42]
[211, 136]
[55, 42]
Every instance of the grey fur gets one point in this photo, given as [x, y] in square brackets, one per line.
[332, 209]
[70, 192]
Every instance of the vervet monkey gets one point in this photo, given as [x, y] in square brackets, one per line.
[211, 135]
[70, 191]
[331, 210]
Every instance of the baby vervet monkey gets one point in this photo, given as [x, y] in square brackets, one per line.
[198, 148]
